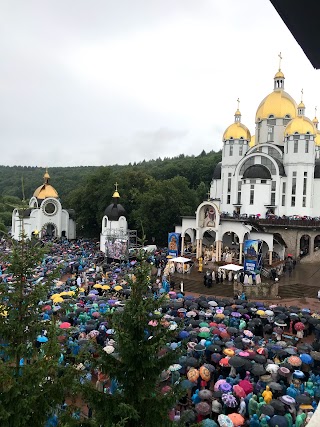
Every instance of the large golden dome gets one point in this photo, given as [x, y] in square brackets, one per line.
[301, 125]
[252, 143]
[279, 104]
[317, 139]
[45, 190]
[236, 131]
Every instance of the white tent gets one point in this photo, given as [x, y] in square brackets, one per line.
[180, 259]
[232, 267]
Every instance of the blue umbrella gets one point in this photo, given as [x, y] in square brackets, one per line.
[42, 338]
[306, 358]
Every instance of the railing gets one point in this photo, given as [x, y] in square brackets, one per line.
[274, 221]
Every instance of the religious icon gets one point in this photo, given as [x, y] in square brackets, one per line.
[209, 216]
[173, 243]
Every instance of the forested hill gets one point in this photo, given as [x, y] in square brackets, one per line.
[154, 193]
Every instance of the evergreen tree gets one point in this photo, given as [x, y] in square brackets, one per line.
[32, 383]
[141, 354]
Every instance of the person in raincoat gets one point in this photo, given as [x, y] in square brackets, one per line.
[264, 421]
[261, 403]
[254, 421]
[289, 419]
[300, 420]
[267, 395]
[253, 406]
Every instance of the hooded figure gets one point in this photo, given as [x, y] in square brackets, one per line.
[261, 403]
[291, 391]
[267, 395]
[254, 421]
[253, 406]
[289, 419]
[264, 421]
[300, 419]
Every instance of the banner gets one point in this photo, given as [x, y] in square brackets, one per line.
[252, 256]
[173, 244]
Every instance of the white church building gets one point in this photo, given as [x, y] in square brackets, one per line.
[45, 216]
[274, 172]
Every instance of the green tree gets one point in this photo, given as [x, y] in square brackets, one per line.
[141, 334]
[32, 382]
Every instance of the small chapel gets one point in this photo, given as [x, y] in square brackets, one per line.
[45, 217]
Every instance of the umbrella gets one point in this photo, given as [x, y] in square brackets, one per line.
[42, 339]
[204, 373]
[258, 369]
[203, 408]
[229, 400]
[279, 407]
[205, 394]
[272, 368]
[238, 391]
[225, 421]
[214, 348]
[303, 399]
[188, 416]
[315, 355]
[192, 361]
[284, 372]
[216, 357]
[65, 325]
[217, 385]
[306, 358]
[299, 326]
[224, 362]
[294, 361]
[248, 333]
[237, 419]
[174, 367]
[225, 387]
[275, 386]
[186, 384]
[267, 410]
[279, 421]
[288, 400]
[247, 386]
[236, 361]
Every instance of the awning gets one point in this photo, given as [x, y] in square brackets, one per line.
[180, 259]
[232, 267]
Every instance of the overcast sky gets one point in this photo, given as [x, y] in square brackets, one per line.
[116, 81]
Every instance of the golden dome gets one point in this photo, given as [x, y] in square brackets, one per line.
[315, 121]
[116, 194]
[45, 190]
[301, 105]
[237, 113]
[252, 143]
[279, 104]
[279, 75]
[301, 125]
[317, 139]
[236, 131]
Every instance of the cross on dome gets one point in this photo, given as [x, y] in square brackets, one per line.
[237, 114]
[280, 58]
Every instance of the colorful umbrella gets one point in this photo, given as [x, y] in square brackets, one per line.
[203, 408]
[225, 421]
[299, 326]
[237, 419]
[306, 358]
[205, 394]
[65, 325]
[229, 400]
[238, 391]
[295, 361]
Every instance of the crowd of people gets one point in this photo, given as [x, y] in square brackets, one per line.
[244, 363]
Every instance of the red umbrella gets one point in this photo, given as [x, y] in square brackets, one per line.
[65, 325]
[295, 361]
[237, 419]
[238, 391]
[224, 362]
[247, 386]
[299, 326]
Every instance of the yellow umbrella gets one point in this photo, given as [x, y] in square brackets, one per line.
[260, 313]
[220, 315]
[54, 296]
[105, 287]
[57, 300]
[169, 256]
[97, 286]
[81, 289]
[118, 288]
[63, 293]
[71, 293]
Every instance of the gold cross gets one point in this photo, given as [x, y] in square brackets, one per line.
[315, 111]
[238, 101]
[301, 95]
[280, 57]
[116, 185]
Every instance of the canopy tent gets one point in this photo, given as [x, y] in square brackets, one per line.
[180, 259]
[232, 267]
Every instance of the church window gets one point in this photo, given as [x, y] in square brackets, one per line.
[230, 150]
[304, 201]
[240, 150]
[228, 199]
[105, 222]
[295, 146]
[239, 193]
[273, 192]
[251, 194]
[293, 200]
[283, 194]
[294, 183]
[306, 147]
[270, 133]
[305, 177]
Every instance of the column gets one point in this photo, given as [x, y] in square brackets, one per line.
[219, 250]
[197, 251]
[311, 245]
[270, 257]
[182, 245]
[200, 246]
[240, 254]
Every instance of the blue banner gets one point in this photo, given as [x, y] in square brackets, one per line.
[173, 244]
[252, 256]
